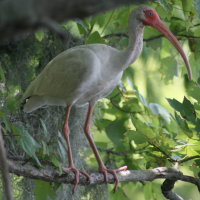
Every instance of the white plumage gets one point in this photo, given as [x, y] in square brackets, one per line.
[76, 76]
[86, 73]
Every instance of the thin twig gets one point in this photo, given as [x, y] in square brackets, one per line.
[4, 169]
[124, 153]
[151, 38]
[189, 158]
[115, 35]
[163, 152]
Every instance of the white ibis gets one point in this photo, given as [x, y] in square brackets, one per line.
[83, 74]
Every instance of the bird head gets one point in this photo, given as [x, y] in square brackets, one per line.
[149, 17]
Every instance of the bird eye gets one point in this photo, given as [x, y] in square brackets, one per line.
[150, 13]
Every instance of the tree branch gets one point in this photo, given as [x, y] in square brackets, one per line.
[151, 38]
[20, 17]
[123, 153]
[188, 158]
[52, 175]
[167, 187]
[4, 169]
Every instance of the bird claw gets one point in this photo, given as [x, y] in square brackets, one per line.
[76, 173]
[105, 172]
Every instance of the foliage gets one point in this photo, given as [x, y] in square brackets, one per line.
[152, 119]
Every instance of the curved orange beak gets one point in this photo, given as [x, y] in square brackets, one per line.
[160, 26]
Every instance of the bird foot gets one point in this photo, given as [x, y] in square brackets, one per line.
[77, 178]
[105, 172]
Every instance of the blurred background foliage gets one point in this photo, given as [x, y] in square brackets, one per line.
[151, 119]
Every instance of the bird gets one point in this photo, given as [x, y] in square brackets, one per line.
[84, 74]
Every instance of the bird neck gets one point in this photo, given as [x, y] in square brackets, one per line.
[134, 49]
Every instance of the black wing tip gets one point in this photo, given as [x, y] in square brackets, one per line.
[24, 102]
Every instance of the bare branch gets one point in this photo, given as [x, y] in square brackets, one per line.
[167, 187]
[19, 17]
[188, 158]
[52, 175]
[163, 152]
[151, 38]
[4, 169]
[123, 153]
[115, 35]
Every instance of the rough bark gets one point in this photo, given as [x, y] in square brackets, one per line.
[170, 174]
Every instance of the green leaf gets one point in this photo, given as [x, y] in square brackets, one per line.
[193, 89]
[39, 35]
[119, 195]
[27, 142]
[187, 6]
[102, 123]
[137, 137]
[186, 109]
[99, 19]
[189, 110]
[168, 68]
[45, 131]
[81, 29]
[159, 110]
[115, 131]
[11, 103]
[183, 125]
[167, 6]
[55, 161]
[45, 149]
[95, 38]
[132, 105]
[143, 128]
[44, 190]
[178, 13]
[62, 150]
[175, 104]
[82, 26]
[148, 191]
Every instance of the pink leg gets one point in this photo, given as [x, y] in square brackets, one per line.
[71, 167]
[102, 167]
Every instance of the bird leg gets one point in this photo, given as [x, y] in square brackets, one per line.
[71, 167]
[102, 167]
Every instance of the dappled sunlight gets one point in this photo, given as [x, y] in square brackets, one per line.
[172, 89]
[151, 119]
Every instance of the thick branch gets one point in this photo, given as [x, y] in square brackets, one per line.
[52, 175]
[21, 16]
[167, 187]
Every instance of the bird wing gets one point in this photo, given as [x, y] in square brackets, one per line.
[67, 75]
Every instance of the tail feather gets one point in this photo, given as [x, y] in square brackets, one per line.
[33, 103]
